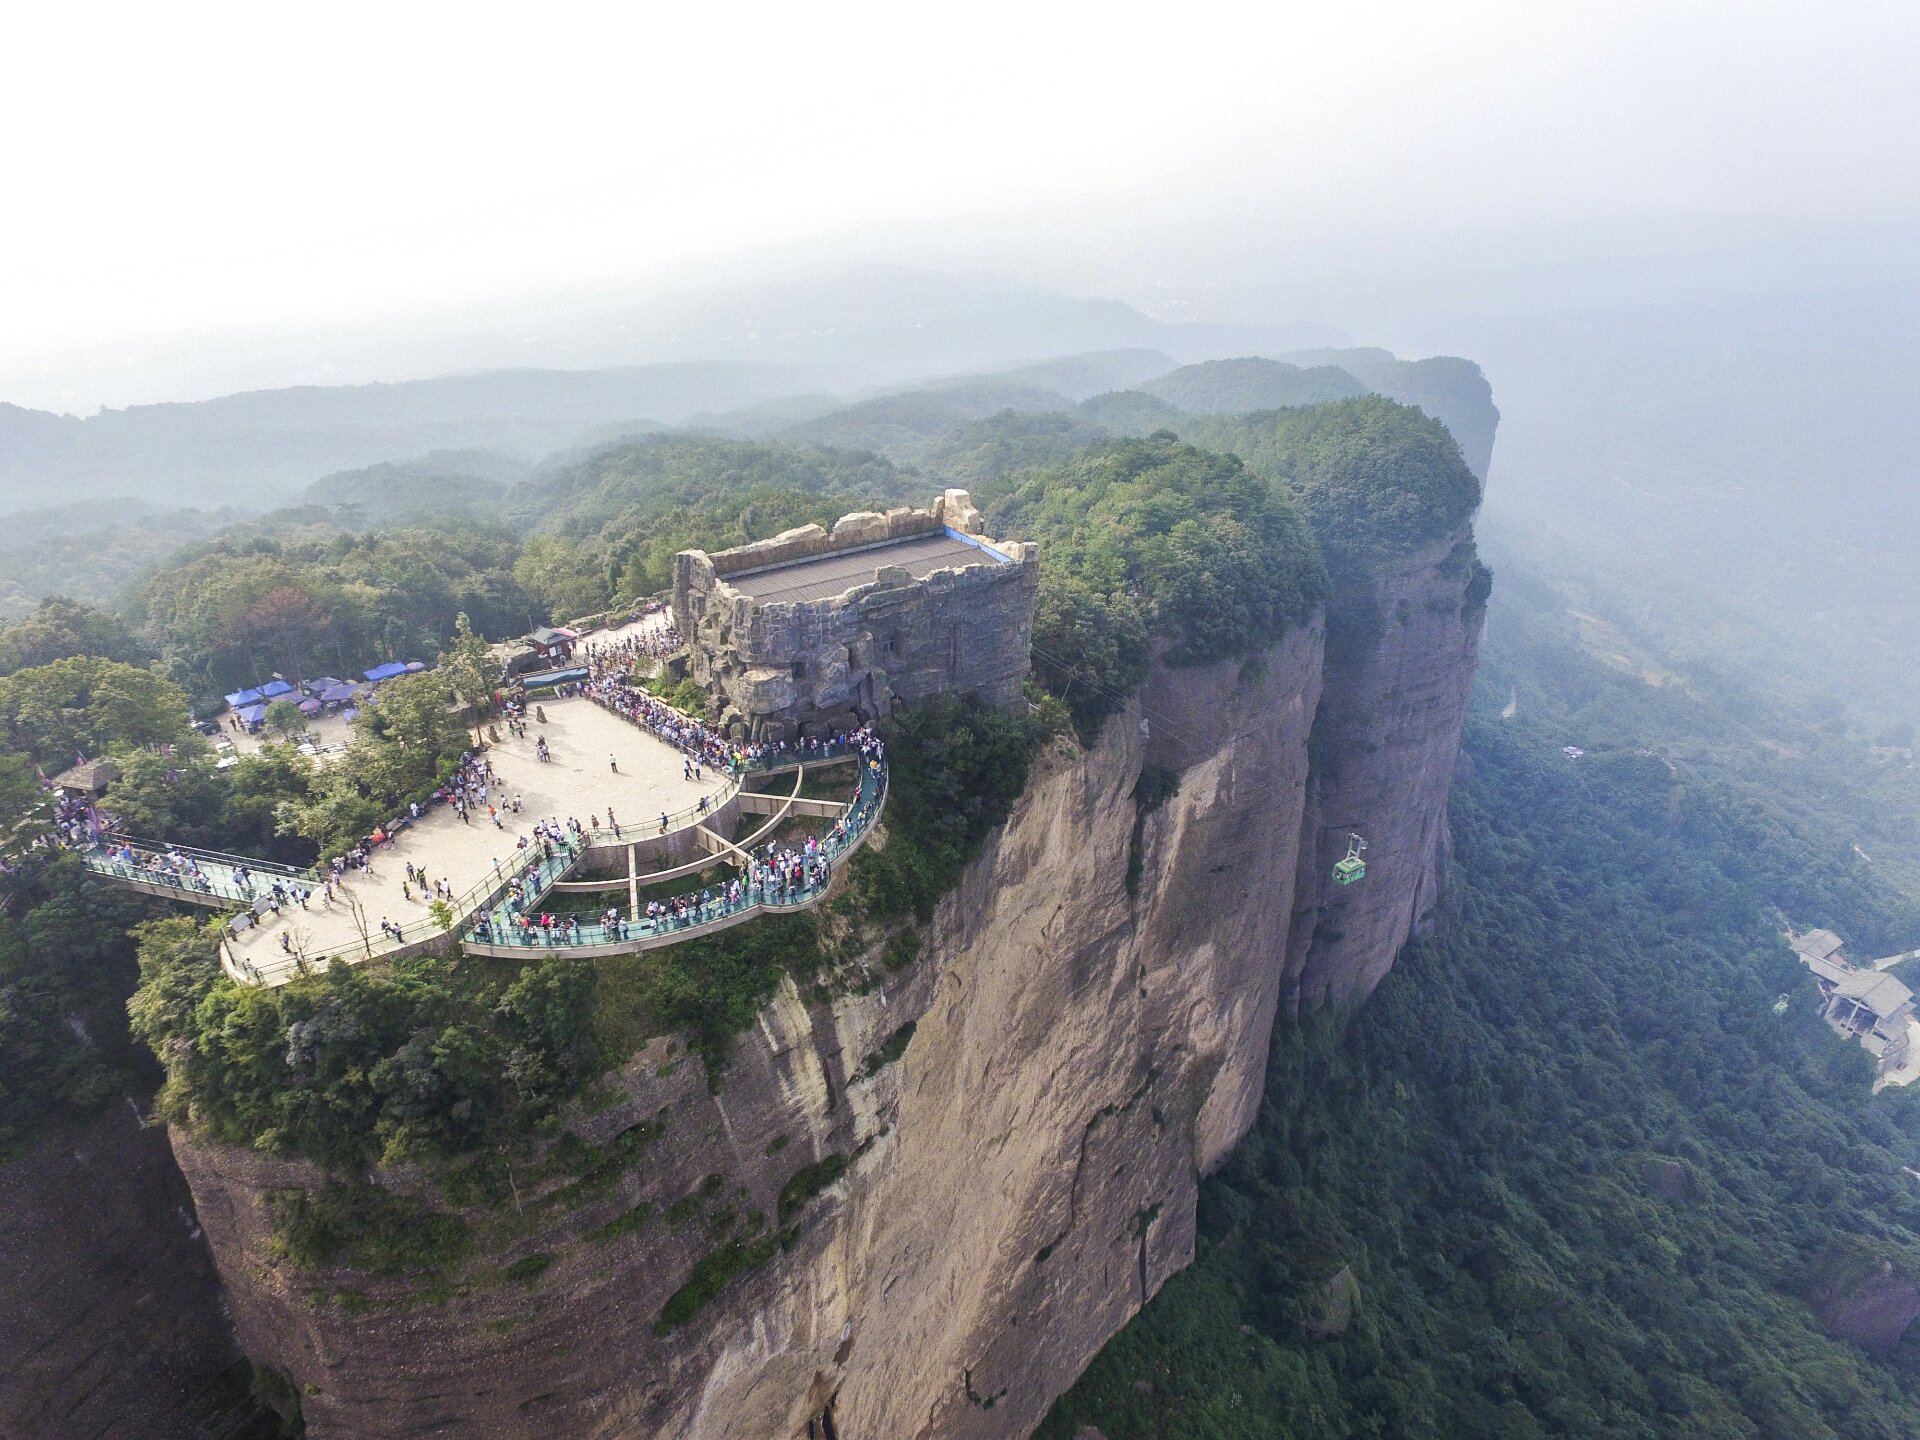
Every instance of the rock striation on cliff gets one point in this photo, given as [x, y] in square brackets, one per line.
[1386, 742]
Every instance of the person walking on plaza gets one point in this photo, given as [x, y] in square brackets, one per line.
[613, 764]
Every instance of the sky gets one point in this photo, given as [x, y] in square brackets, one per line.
[176, 173]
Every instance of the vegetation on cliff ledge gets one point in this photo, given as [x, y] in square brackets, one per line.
[1375, 479]
[428, 1058]
[1152, 540]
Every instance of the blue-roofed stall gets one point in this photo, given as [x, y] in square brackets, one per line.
[386, 671]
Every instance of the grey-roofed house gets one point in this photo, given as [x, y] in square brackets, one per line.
[89, 777]
[1817, 945]
[1873, 1007]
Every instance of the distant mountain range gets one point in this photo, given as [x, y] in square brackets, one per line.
[843, 336]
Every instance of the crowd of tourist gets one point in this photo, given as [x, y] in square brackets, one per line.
[652, 641]
[779, 874]
[708, 746]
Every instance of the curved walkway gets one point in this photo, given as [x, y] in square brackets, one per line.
[269, 896]
[499, 932]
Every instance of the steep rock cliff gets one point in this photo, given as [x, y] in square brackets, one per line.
[1091, 1010]
[109, 1309]
[1019, 1181]
[1385, 745]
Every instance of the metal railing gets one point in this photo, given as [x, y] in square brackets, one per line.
[502, 927]
[482, 911]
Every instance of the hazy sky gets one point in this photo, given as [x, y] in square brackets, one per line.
[172, 168]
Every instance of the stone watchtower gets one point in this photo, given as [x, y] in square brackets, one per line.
[820, 630]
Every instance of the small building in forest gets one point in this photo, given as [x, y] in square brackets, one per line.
[819, 630]
[1862, 1002]
[89, 778]
[552, 644]
[1873, 1007]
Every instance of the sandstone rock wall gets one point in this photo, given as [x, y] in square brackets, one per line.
[1386, 742]
[111, 1321]
[1091, 1012]
[1021, 1180]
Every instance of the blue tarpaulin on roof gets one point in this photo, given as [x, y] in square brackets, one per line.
[386, 671]
[244, 697]
[546, 678]
[275, 688]
[251, 714]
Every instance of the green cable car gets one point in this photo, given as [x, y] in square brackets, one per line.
[1780, 1006]
[1352, 869]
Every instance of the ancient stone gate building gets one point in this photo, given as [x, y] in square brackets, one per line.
[815, 630]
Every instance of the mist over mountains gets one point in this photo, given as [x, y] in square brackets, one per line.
[601, 373]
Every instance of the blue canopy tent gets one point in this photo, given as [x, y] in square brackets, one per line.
[244, 697]
[386, 671]
[338, 693]
[251, 715]
[320, 684]
[273, 689]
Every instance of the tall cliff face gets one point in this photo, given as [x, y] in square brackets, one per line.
[1386, 742]
[110, 1317]
[1091, 1011]
[1019, 1181]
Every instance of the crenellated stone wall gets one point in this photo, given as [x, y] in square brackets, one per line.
[777, 669]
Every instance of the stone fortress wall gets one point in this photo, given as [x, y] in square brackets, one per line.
[779, 668]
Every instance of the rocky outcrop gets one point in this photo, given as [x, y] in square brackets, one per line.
[1017, 1183]
[111, 1320]
[1385, 745]
[1871, 1310]
[816, 631]
[948, 1191]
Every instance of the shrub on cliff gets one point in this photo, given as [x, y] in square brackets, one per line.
[362, 1064]
[954, 772]
[1374, 478]
[1147, 540]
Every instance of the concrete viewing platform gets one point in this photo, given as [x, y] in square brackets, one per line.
[646, 806]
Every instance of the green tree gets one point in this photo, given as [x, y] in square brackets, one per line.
[283, 717]
[60, 629]
[560, 574]
[404, 744]
[20, 793]
[469, 668]
[85, 705]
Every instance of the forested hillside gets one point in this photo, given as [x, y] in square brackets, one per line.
[1566, 1173]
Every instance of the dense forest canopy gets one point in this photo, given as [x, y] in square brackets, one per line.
[226, 617]
[1251, 383]
[1374, 478]
[1152, 539]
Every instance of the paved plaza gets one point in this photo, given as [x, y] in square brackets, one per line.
[577, 783]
